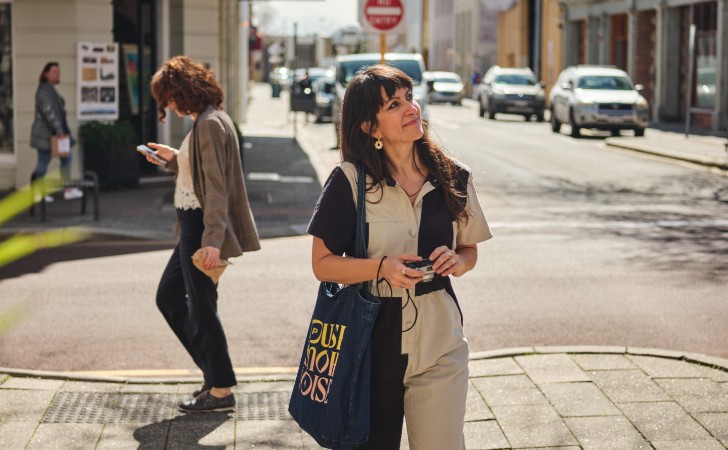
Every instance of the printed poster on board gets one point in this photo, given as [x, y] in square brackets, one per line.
[98, 81]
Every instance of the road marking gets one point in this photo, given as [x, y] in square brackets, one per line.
[614, 224]
[270, 176]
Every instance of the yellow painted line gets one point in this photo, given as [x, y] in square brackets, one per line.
[163, 373]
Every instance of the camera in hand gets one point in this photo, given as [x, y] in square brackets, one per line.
[426, 266]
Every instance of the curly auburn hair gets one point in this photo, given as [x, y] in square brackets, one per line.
[362, 102]
[190, 85]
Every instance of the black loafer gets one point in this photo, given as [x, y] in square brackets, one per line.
[206, 402]
[203, 388]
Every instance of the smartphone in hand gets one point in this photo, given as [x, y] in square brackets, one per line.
[144, 150]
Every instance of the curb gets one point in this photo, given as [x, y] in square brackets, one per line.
[704, 161]
[689, 357]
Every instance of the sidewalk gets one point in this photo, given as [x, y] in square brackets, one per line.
[577, 397]
[570, 398]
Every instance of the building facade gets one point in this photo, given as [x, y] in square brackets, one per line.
[651, 40]
[146, 32]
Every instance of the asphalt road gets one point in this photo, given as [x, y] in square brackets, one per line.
[592, 246]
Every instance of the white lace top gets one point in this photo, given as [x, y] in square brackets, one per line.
[184, 191]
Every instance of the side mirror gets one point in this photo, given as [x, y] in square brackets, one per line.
[639, 88]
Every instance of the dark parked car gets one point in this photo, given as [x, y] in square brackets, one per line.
[324, 90]
[512, 91]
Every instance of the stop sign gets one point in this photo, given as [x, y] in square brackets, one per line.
[383, 15]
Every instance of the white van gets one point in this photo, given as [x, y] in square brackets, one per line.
[348, 65]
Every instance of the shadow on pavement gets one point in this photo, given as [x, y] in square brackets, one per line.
[188, 431]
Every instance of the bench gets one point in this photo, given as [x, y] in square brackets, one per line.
[89, 184]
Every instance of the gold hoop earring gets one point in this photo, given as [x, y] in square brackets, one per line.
[378, 144]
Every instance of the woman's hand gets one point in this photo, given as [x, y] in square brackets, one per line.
[397, 274]
[163, 151]
[212, 255]
[454, 262]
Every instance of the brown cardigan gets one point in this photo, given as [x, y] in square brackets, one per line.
[220, 185]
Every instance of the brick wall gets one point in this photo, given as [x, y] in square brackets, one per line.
[645, 52]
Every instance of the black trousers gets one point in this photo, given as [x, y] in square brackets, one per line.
[388, 368]
[187, 299]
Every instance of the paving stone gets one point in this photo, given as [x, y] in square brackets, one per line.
[716, 424]
[578, 349]
[16, 434]
[484, 435]
[622, 386]
[269, 434]
[126, 436]
[665, 367]
[697, 395]
[607, 433]
[687, 445]
[533, 426]
[38, 384]
[603, 362]
[273, 386]
[189, 431]
[551, 368]
[82, 386]
[65, 436]
[24, 406]
[720, 376]
[579, 399]
[663, 421]
[509, 390]
[490, 367]
[475, 407]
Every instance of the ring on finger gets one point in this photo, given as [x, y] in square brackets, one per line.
[449, 256]
[404, 271]
[453, 261]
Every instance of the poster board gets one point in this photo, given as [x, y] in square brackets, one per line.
[98, 81]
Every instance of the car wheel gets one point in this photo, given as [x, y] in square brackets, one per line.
[639, 132]
[575, 133]
[614, 132]
[555, 124]
[481, 110]
[539, 117]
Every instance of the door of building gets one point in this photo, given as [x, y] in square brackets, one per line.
[134, 30]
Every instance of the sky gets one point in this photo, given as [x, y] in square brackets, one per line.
[312, 16]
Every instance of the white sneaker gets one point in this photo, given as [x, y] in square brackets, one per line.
[49, 199]
[72, 194]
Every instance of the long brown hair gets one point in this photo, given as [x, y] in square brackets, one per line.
[362, 102]
[190, 85]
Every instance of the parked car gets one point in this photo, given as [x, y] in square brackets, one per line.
[599, 97]
[324, 90]
[511, 90]
[348, 65]
[444, 87]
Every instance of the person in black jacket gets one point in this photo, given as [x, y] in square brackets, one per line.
[50, 120]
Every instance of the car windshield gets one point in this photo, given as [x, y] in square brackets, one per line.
[409, 66]
[605, 82]
[446, 80]
[516, 79]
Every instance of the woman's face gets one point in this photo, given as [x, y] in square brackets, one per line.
[399, 119]
[53, 75]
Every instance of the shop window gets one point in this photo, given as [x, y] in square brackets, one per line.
[6, 79]
[705, 20]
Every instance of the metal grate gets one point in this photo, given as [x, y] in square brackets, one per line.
[79, 407]
[263, 406]
[143, 408]
[102, 408]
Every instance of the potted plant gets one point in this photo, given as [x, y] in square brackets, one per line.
[108, 150]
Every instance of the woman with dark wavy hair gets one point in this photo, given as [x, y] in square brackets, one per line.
[213, 214]
[420, 204]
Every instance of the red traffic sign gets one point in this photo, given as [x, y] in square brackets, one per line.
[383, 15]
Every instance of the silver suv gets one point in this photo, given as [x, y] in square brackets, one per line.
[513, 91]
[599, 97]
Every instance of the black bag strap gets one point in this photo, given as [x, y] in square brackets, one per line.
[360, 248]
